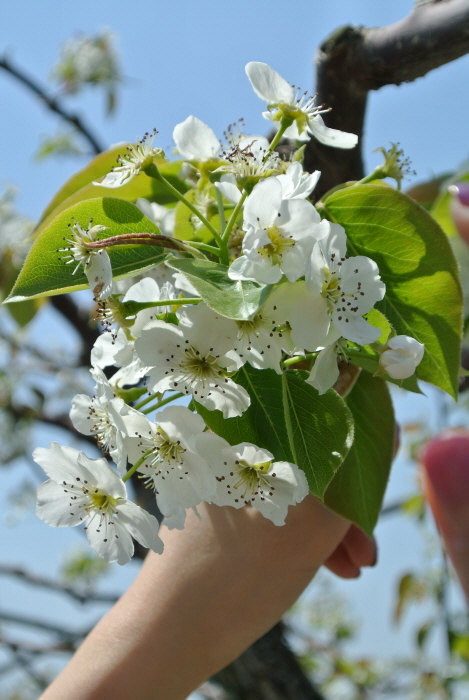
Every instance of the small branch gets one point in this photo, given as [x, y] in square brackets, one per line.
[52, 103]
[26, 665]
[354, 60]
[50, 584]
[137, 239]
[41, 625]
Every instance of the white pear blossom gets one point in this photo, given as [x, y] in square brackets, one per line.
[180, 477]
[195, 140]
[297, 184]
[280, 234]
[192, 358]
[116, 348]
[147, 290]
[98, 416]
[262, 340]
[163, 217]
[96, 262]
[248, 474]
[136, 158]
[402, 356]
[250, 157]
[112, 350]
[284, 102]
[337, 293]
[83, 490]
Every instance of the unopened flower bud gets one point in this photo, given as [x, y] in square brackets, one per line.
[402, 356]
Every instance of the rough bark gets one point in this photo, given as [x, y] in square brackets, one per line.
[267, 670]
[354, 60]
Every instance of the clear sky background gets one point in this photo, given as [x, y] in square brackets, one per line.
[182, 58]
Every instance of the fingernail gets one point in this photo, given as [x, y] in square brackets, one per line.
[461, 191]
[375, 560]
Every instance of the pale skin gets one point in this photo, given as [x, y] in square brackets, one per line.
[220, 584]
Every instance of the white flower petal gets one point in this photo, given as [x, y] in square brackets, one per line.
[110, 539]
[263, 204]
[331, 137]
[60, 463]
[80, 413]
[58, 509]
[229, 189]
[262, 271]
[195, 140]
[99, 274]
[101, 475]
[268, 84]
[357, 330]
[142, 526]
[325, 371]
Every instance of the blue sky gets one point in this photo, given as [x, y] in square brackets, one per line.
[182, 58]
[186, 58]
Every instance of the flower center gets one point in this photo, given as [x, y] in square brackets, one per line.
[252, 477]
[111, 311]
[277, 246]
[166, 449]
[331, 288]
[199, 366]
[102, 429]
[249, 328]
[102, 502]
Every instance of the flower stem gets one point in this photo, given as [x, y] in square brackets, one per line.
[221, 209]
[137, 464]
[284, 124]
[143, 403]
[163, 402]
[208, 248]
[299, 358]
[133, 307]
[152, 171]
[233, 217]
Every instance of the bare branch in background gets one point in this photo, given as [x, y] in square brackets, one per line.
[50, 584]
[354, 60]
[52, 103]
[27, 621]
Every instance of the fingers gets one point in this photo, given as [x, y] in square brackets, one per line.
[355, 550]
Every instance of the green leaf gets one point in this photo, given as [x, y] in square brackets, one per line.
[24, 311]
[378, 320]
[289, 418]
[441, 209]
[230, 298]
[357, 490]
[80, 188]
[184, 229]
[415, 260]
[44, 274]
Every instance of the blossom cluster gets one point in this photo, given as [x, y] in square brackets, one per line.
[166, 340]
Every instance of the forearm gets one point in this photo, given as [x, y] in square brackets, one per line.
[220, 584]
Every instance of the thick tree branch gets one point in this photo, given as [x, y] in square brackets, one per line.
[52, 103]
[268, 669]
[354, 60]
